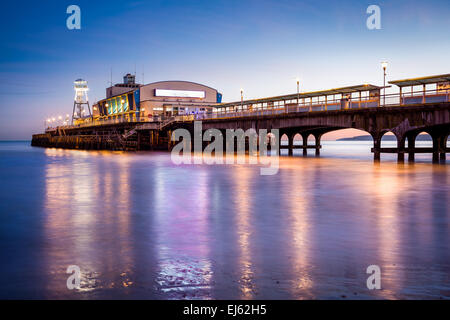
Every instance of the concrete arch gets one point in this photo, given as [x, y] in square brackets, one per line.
[339, 133]
[389, 139]
[285, 141]
[310, 137]
[311, 140]
[270, 139]
[297, 137]
[417, 137]
[421, 134]
[296, 142]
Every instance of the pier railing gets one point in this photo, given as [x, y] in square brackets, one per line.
[287, 106]
[245, 109]
[89, 122]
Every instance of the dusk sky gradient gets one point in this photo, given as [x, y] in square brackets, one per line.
[259, 45]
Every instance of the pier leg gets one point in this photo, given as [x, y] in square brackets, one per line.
[169, 140]
[139, 137]
[152, 139]
[318, 137]
[411, 146]
[291, 145]
[443, 147]
[435, 157]
[305, 144]
[376, 149]
[376, 156]
[400, 150]
[436, 147]
[157, 139]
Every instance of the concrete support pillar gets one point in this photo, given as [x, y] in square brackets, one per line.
[191, 132]
[411, 146]
[436, 147]
[443, 147]
[169, 140]
[305, 144]
[139, 141]
[376, 147]
[291, 144]
[401, 149]
[318, 137]
[157, 137]
[435, 157]
[224, 141]
[152, 139]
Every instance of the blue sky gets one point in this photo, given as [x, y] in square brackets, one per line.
[259, 45]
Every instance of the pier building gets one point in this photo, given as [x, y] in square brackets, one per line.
[133, 102]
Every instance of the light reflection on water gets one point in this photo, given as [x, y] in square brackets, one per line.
[181, 216]
[141, 227]
[242, 200]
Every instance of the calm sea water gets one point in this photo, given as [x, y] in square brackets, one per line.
[139, 226]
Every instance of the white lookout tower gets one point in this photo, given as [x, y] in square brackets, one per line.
[81, 100]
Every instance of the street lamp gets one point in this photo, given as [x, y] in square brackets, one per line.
[242, 98]
[298, 90]
[384, 64]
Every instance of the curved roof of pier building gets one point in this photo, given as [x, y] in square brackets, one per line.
[178, 90]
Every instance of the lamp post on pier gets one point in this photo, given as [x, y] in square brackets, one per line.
[298, 91]
[242, 99]
[384, 64]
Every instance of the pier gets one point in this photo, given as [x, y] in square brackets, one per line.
[406, 114]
